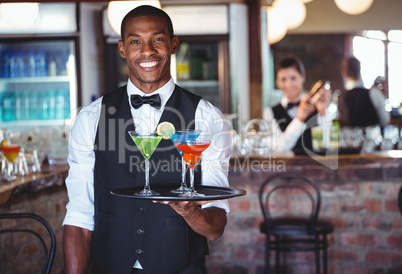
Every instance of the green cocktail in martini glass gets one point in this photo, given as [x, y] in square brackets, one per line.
[146, 142]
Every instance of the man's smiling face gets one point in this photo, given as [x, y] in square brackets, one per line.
[147, 47]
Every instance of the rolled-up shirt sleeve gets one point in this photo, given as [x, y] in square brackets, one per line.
[214, 160]
[81, 159]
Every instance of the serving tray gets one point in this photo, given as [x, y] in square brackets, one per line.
[211, 193]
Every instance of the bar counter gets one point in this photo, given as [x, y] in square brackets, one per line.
[359, 195]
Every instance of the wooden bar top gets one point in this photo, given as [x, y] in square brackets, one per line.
[50, 175]
[341, 161]
[56, 174]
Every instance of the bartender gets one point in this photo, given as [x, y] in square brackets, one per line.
[297, 112]
[124, 235]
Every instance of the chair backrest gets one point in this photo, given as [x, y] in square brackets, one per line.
[400, 199]
[292, 188]
[49, 251]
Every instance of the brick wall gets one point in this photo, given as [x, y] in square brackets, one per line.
[22, 253]
[367, 237]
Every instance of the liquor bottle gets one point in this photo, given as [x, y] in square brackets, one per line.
[183, 63]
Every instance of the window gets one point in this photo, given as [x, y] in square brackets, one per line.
[371, 49]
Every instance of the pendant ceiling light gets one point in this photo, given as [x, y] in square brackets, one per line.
[116, 11]
[277, 26]
[19, 15]
[294, 12]
[353, 7]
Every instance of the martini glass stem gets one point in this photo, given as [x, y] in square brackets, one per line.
[147, 188]
[191, 190]
[183, 173]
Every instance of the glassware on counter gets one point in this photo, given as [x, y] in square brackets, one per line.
[10, 152]
[258, 137]
[391, 137]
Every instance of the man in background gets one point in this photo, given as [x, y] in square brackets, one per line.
[359, 106]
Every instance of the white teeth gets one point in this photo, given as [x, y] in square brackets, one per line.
[148, 64]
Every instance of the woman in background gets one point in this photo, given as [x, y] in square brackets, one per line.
[296, 114]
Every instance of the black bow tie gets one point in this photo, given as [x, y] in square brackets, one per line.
[290, 105]
[153, 100]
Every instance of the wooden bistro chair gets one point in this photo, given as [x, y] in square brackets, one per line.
[286, 229]
[49, 251]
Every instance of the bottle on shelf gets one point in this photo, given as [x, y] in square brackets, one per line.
[41, 64]
[183, 62]
[44, 103]
[61, 59]
[10, 64]
[8, 106]
[60, 104]
[67, 110]
[18, 105]
[52, 67]
[35, 108]
[31, 66]
[19, 64]
[52, 104]
[2, 60]
[26, 107]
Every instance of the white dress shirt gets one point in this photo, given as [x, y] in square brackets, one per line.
[286, 140]
[377, 98]
[81, 158]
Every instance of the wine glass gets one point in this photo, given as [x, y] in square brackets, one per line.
[10, 152]
[146, 142]
[186, 134]
[192, 150]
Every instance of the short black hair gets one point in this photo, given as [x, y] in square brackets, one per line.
[146, 10]
[291, 62]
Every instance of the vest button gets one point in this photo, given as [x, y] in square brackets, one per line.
[141, 210]
[139, 251]
[140, 231]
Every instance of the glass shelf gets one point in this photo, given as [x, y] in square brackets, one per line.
[34, 123]
[198, 83]
[47, 79]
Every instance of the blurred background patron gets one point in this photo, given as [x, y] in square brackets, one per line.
[359, 106]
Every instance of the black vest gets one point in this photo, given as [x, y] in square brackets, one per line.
[357, 109]
[283, 118]
[127, 229]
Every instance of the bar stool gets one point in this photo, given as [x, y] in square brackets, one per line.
[50, 251]
[290, 231]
